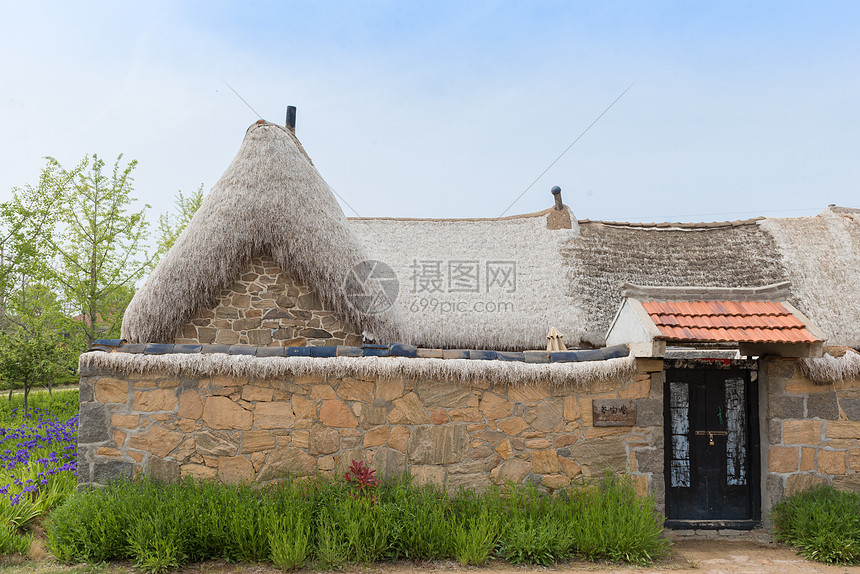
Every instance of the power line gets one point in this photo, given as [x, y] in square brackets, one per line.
[585, 131]
[241, 98]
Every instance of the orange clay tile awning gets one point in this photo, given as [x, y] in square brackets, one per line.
[727, 321]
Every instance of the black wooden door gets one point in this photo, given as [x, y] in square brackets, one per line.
[709, 443]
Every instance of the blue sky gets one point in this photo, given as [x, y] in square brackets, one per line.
[451, 109]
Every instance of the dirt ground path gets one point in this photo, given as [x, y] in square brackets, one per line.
[691, 557]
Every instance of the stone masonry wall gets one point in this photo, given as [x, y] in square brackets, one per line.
[813, 431]
[445, 433]
[267, 307]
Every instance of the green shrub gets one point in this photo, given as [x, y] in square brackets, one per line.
[13, 543]
[822, 523]
[609, 521]
[289, 526]
[477, 525]
[162, 526]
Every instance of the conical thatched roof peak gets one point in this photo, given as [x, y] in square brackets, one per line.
[270, 200]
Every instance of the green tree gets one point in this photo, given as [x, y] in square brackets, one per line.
[170, 227]
[25, 223]
[99, 242]
[34, 348]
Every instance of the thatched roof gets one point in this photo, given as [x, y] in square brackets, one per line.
[482, 283]
[452, 275]
[270, 200]
[572, 279]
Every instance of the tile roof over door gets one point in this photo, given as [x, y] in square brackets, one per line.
[727, 321]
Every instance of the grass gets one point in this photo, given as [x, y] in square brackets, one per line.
[326, 523]
[822, 523]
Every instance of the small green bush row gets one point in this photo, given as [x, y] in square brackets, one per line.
[328, 522]
[822, 523]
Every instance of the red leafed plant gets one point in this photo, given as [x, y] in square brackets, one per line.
[361, 478]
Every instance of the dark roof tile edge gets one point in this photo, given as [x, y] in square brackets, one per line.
[393, 350]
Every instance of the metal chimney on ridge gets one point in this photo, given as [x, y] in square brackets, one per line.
[291, 118]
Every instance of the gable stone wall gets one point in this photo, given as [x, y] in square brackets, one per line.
[267, 307]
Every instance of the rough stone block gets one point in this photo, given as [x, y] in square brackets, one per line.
[544, 461]
[571, 408]
[843, 430]
[831, 462]
[649, 412]
[822, 406]
[786, 407]
[807, 458]
[597, 455]
[375, 437]
[336, 413]
[354, 390]
[851, 408]
[388, 462]
[438, 444]
[801, 432]
[287, 461]
[256, 441]
[110, 470]
[495, 407]
[222, 413]
[85, 389]
[155, 400]
[235, 470]
[529, 393]
[156, 440]
[514, 470]
[190, 406]
[650, 460]
[427, 474]
[398, 438]
[775, 488]
[274, 415]
[92, 424]
[125, 421]
[323, 440]
[163, 470]
[443, 394]
[783, 459]
[800, 482]
[545, 416]
[253, 393]
[373, 415]
[109, 390]
[409, 410]
[850, 483]
[475, 482]
[389, 389]
[774, 432]
[638, 389]
[512, 426]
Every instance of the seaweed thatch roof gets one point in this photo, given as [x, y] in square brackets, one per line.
[482, 283]
[573, 279]
[271, 199]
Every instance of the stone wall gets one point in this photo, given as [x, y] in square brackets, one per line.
[260, 430]
[813, 431]
[267, 307]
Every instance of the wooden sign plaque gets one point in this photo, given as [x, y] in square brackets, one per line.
[613, 412]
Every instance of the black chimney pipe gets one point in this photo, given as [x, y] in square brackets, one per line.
[291, 118]
[556, 192]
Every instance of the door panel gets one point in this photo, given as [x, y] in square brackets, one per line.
[708, 473]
